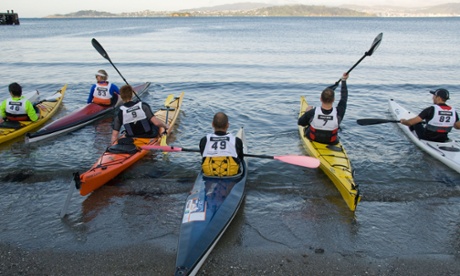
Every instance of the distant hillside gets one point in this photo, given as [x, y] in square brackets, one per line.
[245, 6]
[261, 9]
[452, 9]
[303, 10]
[86, 13]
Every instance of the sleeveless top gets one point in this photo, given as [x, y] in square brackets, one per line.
[101, 94]
[135, 120]
[443, 119]
[324, 127]
[16, 110]
[220, 156]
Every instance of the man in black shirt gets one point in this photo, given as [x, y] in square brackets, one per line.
[439, 118]
[322, 123]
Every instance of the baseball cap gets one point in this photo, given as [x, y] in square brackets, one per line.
[441, 92]
[101, 73]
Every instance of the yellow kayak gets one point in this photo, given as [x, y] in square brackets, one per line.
[47, 108]
[334, 163]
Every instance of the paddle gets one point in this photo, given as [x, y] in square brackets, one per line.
[168, 101]
[69, 195]
[104, 54]
[52, 98]
[367, 122]
[299, 160]
[369, 53]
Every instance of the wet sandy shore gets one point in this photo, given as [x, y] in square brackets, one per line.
[145, 260]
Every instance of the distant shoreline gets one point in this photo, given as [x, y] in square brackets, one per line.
[124, 17]
[265, 10]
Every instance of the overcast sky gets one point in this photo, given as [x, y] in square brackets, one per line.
[41, 8]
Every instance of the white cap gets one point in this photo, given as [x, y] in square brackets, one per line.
[101, 73]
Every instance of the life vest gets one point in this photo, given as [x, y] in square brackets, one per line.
[443, 119]
[135, 120]
[101, 94]
[16, 109]
[324, 127]
[220, 156]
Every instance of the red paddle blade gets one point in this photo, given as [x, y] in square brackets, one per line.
[163, 148]
[304, 161]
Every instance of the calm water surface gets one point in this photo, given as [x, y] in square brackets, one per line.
[254, 69]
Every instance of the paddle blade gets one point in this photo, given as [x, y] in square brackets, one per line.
[367, 122]
[163, 140]
[299, 160]
[169, 100]
[162, 148]
[375, 44]
[99, 48]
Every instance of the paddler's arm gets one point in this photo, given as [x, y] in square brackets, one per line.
[159, 123]
[457, 123]
[411, 122]
[424, 115]
[114, 136]
[305, 119]
[342, 105]
[90, 96]
[116, 126]
[2, 111]
[31, 111]
[239, 148]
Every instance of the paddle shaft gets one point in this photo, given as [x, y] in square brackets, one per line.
[246, 154]
[104, 54]
[67, 201]
[375, 45]
[168, 102]
[367, 122]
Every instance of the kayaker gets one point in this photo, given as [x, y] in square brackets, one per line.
[322, 124]
[103, 92]
[439, 118]
[222, 152]
[17, 108]
[136, 117]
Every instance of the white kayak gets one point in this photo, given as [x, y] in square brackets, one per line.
[447, 152]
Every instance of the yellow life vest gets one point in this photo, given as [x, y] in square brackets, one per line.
[220, 166]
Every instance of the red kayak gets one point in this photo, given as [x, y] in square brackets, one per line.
[79, 118]
[122, 155]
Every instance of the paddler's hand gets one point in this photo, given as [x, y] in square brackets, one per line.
[310, 107]
[404, 122]
[344, 77]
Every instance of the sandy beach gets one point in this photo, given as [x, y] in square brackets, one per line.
[144, 260]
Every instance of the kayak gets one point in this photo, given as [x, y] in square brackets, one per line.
[46, 107]
[210, 208]
[79, 118]
[334, 163]
[124, 153]
[447, 152]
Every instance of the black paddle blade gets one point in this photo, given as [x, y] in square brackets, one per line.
[375, 44]
[367, 122]
[99, 48]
